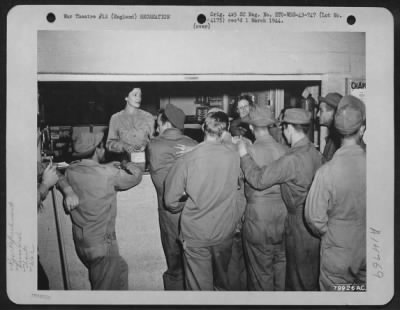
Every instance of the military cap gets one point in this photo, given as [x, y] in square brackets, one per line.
[260, 116]
[85, 143]
[350, 115]
[331, 99]
[175, 115]
[297, 116]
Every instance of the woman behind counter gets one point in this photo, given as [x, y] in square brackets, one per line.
[130, 129]
[239, 127]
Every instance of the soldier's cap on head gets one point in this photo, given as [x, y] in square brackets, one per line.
[175, 115]
[296, 116]
[331, 99]
[350, 115]
[85, 143]
[260, 116]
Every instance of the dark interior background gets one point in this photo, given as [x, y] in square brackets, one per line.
[83, 103]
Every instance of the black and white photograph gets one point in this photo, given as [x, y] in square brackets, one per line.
[184, 149]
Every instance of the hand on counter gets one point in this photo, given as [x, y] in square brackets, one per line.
[129, 167]
[129, 148]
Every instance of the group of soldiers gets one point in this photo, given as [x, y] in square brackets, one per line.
[234, 214]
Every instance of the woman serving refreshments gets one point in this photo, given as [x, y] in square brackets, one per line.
[130, 129]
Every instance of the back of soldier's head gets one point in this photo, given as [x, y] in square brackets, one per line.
[215, 124]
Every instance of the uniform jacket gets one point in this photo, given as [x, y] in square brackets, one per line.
[209, 176]
[332, 143]
[294, 171]
[266, 212]
[162, 155]
[241, 198]
[264, 151]
[336, 210]
[96, 186]
[134, 129]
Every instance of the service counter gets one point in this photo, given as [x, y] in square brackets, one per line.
[138, 236]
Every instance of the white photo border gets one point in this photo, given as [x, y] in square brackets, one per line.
[23, 24]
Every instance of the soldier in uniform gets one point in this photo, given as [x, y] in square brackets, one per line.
[295, 172]
[237, 273]
[336, 204]
[47, 177]
[162, 155]
[93, 221]
[264, 221]
[208, 177]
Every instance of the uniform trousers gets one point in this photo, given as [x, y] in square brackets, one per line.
[173, 277]
[206, 268]
[329, 279]
[237, 273]
[108, 271]
[302, 254]
[344, 263]
[264, 243]
[266, 264]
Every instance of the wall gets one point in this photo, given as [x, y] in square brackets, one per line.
[187, 104]
[334, 55]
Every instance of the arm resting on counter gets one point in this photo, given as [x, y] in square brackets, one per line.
[115, 146]
[124, 180]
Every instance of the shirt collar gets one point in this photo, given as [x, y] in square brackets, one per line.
[171, 133]
[85, 162]
[301, 142]
[212, 142]
[349, 149]
[227, 137]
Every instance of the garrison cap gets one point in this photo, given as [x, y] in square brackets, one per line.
[296, 116]
[332, 99]
[85, 143]
[260, 116]
[350, 115]
[175, 115]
